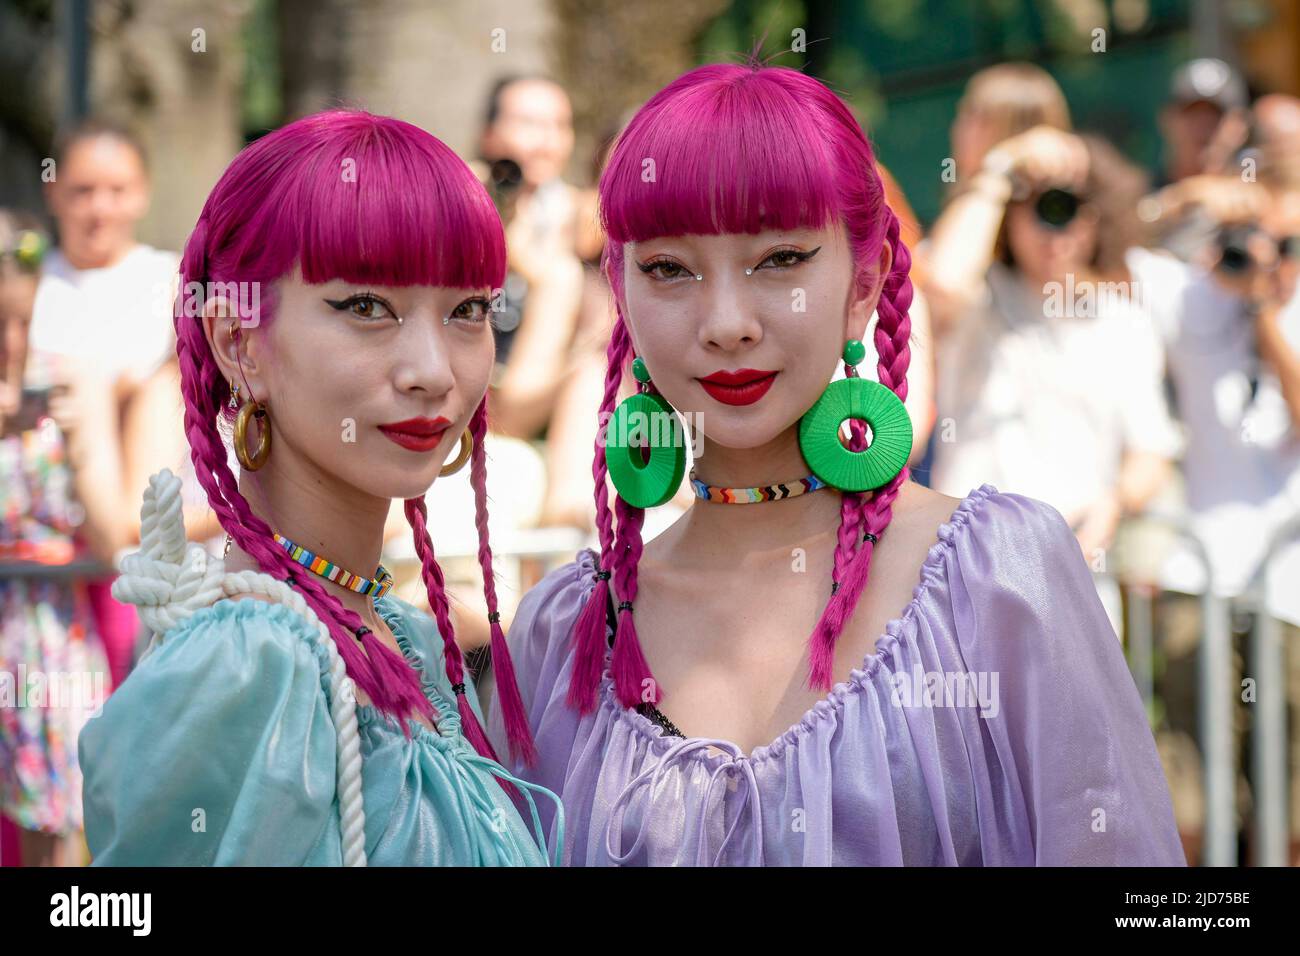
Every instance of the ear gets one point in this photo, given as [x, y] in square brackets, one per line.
[860, 308]
[239, 355]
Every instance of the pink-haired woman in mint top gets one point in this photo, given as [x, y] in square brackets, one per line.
[821, 662]
[332, 329]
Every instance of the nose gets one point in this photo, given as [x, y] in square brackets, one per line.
[730, 320]
[423, 360]
[102, 201]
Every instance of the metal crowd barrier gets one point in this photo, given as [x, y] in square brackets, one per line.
[1217, 697]
[1269, 731]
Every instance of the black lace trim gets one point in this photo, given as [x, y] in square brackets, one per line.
[647, 709]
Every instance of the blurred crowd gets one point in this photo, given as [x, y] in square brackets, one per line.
[1123, 344]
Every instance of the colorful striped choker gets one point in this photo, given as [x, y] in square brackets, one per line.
[749, 496]
[377, 586]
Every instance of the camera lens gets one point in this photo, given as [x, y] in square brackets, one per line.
[506, 174]
[1235, 259]
[1234, 247]
[1057, 207]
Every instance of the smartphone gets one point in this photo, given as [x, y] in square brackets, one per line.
[35, 406]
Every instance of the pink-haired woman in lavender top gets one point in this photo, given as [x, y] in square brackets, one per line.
[333, 313]
[808, 667]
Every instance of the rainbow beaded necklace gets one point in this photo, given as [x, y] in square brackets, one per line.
[749, 496]
[377, 586]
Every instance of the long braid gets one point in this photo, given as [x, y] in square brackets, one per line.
[513, 714]
[851, 505]
[589, 630]
[436, 588]
[892, 334]
[632, 677]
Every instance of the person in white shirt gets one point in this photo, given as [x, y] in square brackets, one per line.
[103, 314]
[1049, 376]
[1231, 324]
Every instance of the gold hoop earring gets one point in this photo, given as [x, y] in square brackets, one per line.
[462, 456]
[258, 458]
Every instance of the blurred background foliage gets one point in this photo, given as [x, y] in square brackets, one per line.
[901, 64]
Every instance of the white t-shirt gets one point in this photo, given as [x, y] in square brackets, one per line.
[1045, 403]
[1242, 463]
[120, 316]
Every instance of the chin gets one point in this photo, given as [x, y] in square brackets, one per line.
[730, 432]
[394, 479]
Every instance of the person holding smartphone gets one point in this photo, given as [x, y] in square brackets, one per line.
[52, 665]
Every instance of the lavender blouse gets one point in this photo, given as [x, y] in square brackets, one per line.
[995, 723]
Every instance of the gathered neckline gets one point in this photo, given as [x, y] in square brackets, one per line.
[449, 733]
[832, 702]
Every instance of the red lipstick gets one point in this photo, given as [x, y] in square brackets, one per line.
[744, 386]
[417, 434]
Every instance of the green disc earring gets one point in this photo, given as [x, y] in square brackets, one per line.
[883, 411]
[645, 420]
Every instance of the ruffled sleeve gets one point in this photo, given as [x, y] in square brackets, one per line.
[1078, 756]
[219, 748]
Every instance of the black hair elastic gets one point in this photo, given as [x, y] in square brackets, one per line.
[458, 688]
[494, 617]
[625, 605]
[362, 630]
[835, 587]
[871, 537]
[601, 574]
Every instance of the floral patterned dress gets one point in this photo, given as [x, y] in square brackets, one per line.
[53, 672]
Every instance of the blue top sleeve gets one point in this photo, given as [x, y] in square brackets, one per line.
[245, 677]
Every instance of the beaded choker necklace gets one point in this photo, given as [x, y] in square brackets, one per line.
[749, 496]
[377, 586]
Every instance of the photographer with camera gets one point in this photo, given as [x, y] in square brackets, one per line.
[552, 323]
[1049, 371]
[1231, 323]
[526, 143]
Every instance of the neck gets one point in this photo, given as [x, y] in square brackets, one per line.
[715, 528]
[338, 522]
[89, 261]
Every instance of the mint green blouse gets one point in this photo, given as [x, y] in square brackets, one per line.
[219, 749]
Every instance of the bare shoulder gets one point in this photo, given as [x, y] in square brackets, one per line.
[918, 512]
[235, 561]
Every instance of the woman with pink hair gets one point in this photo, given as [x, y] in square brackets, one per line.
[333, 313]
[961, 700]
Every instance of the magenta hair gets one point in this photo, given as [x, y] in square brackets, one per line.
[346, 194]
[741, 148]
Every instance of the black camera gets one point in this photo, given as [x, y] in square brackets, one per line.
[504, 178]
[1234, 249]
[1235, 255]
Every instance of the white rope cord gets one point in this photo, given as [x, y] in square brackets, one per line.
[169, 579]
